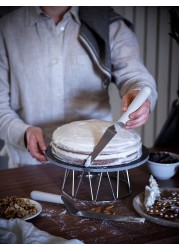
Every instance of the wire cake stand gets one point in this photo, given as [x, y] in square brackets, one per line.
[111, 182]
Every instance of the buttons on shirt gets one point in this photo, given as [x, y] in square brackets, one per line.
[62, 28]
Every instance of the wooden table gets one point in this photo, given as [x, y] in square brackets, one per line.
[56, 220]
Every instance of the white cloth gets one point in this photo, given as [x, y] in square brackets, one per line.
[18, 231]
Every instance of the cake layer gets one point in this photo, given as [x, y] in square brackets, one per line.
[75, 141]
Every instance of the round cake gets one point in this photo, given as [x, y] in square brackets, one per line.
[74, 142]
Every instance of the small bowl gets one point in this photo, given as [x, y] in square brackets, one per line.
[164, 170]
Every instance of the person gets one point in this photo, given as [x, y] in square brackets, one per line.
[56, 64]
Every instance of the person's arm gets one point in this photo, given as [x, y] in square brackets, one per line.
[12, 128]
[129, 72]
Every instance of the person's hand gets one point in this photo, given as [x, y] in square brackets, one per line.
[140, 116]
[36, 143]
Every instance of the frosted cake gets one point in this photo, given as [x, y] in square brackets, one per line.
[75, 141]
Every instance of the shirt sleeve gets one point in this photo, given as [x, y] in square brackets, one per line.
[128, 70]
[12, 128]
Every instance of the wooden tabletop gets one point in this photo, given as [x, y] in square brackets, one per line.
[56, 220]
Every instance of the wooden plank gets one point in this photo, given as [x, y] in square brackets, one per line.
[119, 9]
[139, 28]
[150, 61]
[163, 69]
[129, 13]
[174, 72]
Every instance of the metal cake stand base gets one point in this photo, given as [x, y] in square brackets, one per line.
[115, 185]
[97, 183]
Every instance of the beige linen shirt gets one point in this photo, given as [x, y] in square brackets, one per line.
[48, 79]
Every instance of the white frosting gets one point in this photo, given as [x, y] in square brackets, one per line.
[149, 199]
[152, 193]
[154, 186]
[76, 140]
[88, 162]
